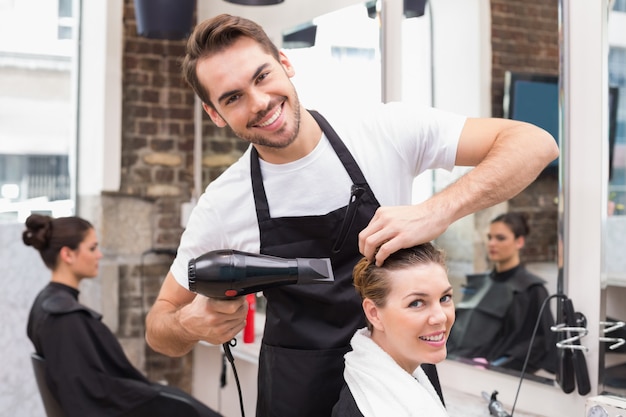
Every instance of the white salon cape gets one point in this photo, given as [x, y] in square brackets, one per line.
[381, 387]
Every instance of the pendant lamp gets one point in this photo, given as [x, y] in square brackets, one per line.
[164, 19]
[414, 8]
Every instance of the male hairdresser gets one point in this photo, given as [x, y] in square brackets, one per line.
[336, 186]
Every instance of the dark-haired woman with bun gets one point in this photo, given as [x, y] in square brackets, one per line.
[499, 310]
[86, 368]
[409, 312]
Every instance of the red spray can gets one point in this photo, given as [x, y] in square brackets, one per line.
[248, 331]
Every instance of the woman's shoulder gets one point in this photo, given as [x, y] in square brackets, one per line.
[524, 279]
[62, 302]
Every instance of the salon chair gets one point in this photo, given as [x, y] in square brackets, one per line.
[166, 404]
[50, 404]
[170, 402]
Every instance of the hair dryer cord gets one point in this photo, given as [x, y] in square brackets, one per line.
[231, 359]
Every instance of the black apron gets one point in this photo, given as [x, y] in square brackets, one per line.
[308, 327]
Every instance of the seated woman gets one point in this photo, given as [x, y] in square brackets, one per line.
[409, 310]
[496, 317]
[86, 368]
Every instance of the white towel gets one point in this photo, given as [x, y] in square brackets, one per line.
[382, 388]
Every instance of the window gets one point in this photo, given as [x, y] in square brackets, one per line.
[66, 20]
[37, 116]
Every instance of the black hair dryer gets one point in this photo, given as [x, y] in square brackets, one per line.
[229, 273]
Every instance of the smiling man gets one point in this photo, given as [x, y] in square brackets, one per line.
[336, 186]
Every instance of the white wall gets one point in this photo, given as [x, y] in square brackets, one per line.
[22, 275]
[100, 97]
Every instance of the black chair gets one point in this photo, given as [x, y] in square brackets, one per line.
[166, 404]
[171, 401]
[50, 404]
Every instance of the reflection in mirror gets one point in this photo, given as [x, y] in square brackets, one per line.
[614, 373]
[475, 271]
[499, 289]
[497, 312]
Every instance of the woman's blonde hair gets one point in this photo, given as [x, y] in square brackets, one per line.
[372, 281]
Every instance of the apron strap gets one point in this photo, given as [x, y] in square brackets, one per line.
[340, 149]
[260, 198]
[344, 155]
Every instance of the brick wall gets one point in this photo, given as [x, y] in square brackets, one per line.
[157, 139]
[524, 38]
[157, 165]
[157, 128]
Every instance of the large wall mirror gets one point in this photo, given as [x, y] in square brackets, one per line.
[467, 242]
[613, 368]
[430, 78]
[497, 297]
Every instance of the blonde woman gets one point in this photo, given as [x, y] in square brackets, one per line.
[409, 310]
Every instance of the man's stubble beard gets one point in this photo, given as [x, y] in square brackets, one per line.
[261, 140]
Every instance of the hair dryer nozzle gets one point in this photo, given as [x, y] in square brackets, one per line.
[314, 270]
[229, 273]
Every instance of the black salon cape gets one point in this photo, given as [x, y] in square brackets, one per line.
[496, 317]
[87, 369]
[346, 406]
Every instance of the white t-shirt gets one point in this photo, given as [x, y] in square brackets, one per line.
[392, 144]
